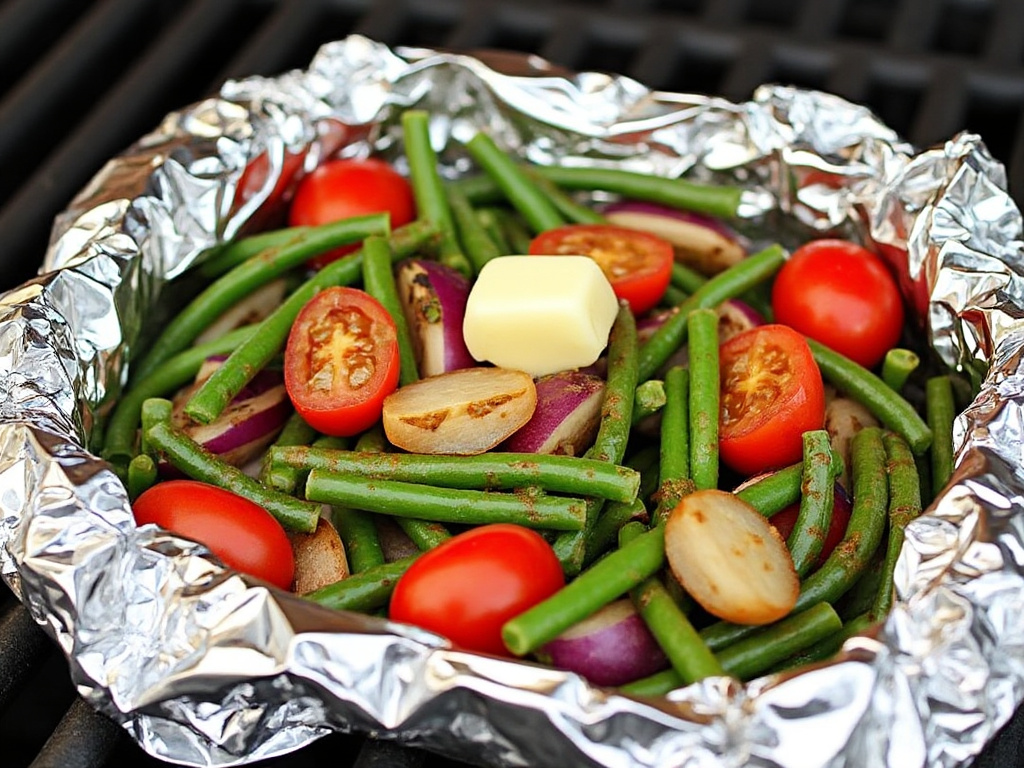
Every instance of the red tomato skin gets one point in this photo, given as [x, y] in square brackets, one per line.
[843, 296]
[344, 410]
[240, 532]
[640, 275]
[769, 435]
[341, 189]
[470, 585]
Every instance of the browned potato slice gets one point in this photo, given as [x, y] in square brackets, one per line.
[319, 558]
[730, 559]
[462, 412]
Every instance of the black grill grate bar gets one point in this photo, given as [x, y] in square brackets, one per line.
[23, 646]
[1006, 40]
[83, 739]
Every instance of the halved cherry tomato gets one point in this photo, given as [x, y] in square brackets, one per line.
[842, 295]
[240, 532]
[341, 361]
[637, 264]
[841, 509]
[341, 189]
[470, 585]
[771, 393]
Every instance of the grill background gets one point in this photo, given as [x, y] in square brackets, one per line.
[79, 81]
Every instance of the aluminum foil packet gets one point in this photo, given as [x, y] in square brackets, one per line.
[205, 668]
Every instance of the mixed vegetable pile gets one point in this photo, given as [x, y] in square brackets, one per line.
[606, 438]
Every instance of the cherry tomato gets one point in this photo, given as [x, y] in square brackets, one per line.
[841, 509]
[468, 587]
[771, 393]
[240, 532]
[341, 189]
[842, 295]
[341, 361]
[637, 264]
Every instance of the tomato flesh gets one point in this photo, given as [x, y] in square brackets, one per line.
[341, 189]
[771, 393]
[470, 585]
[843, 296]
[240, 532]
[341, 361]
[637, 264]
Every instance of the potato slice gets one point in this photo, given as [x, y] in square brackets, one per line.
[730, 559]
[844, 418]
[463, 412]
[320, 558]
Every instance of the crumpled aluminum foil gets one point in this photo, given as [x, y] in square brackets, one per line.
[204, 668]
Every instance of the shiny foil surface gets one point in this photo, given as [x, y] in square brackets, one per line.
[204, 668]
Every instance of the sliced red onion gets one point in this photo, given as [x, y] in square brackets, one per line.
[434, 298]
[253, 308]
[611, 648]
[249, 423]
[735, 317]
[566, 418]
[702, 242]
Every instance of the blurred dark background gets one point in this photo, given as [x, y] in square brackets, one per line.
[79, 81]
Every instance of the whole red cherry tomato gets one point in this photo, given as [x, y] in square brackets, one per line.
[341, 189]
[240, 532]
[470, 585]
[771, 393]
[637, 264]
[341, 361]
[842, 295]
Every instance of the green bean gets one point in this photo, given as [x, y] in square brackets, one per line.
[648, 400]
[428, 187]
[475, 238]
[607, 579]
[862, 385]
[445, 505]
[225, 257]
[686, 279]
[286, 479]
[538, 211]
[142, 475]
[570, 210]
[904, 506]
[773, 493]
[817, 498]
[195, 461]
[252, 355]
[379, 282]
[685, 649]
[674, 480]
[491, 471]
[897, 365]
[365, 591]
[673, 297]
[424, 533]
[155, 410]
[865, 529]
[829, 646]
[358, 533]
[605, 532]
[725, 285]
[940, 412]
[228, 290]
[122, 428]
[645, 461]
[702, 327]
[490, 220]
[518, 236]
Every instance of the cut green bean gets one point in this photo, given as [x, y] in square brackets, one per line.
[533, 205]
[673, 297]
[774, 492]
[862, 385]
[286, 479]
[188, 456]
[445, 505]
[423, 533]
[686, 279]
[817, 498]
[155, 410]
[940, 412]
[228, 290]
[379, 282]
[358, 533]
[607, 579]
[365, 591]
[490, 220]
[142, 475]
[123, 426]
[605, 532]
[904, 506]
[863, 532]
[686, 651]
[476, 240]
[702, 327]
[897, 365]
[571, 211]
[827, 647]
[251, 356]
[648, 400]
[674, 471]
[428, 187]
[725, 285]
[518, 236]
[229, 255]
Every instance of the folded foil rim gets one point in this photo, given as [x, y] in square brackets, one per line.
[205, 668]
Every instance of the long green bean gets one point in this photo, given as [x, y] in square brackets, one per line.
[702, 326]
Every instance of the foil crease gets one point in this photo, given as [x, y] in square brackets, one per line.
[204, 668]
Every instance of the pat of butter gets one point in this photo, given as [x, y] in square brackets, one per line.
[539, 314]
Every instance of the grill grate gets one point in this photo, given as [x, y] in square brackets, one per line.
[80, 81]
